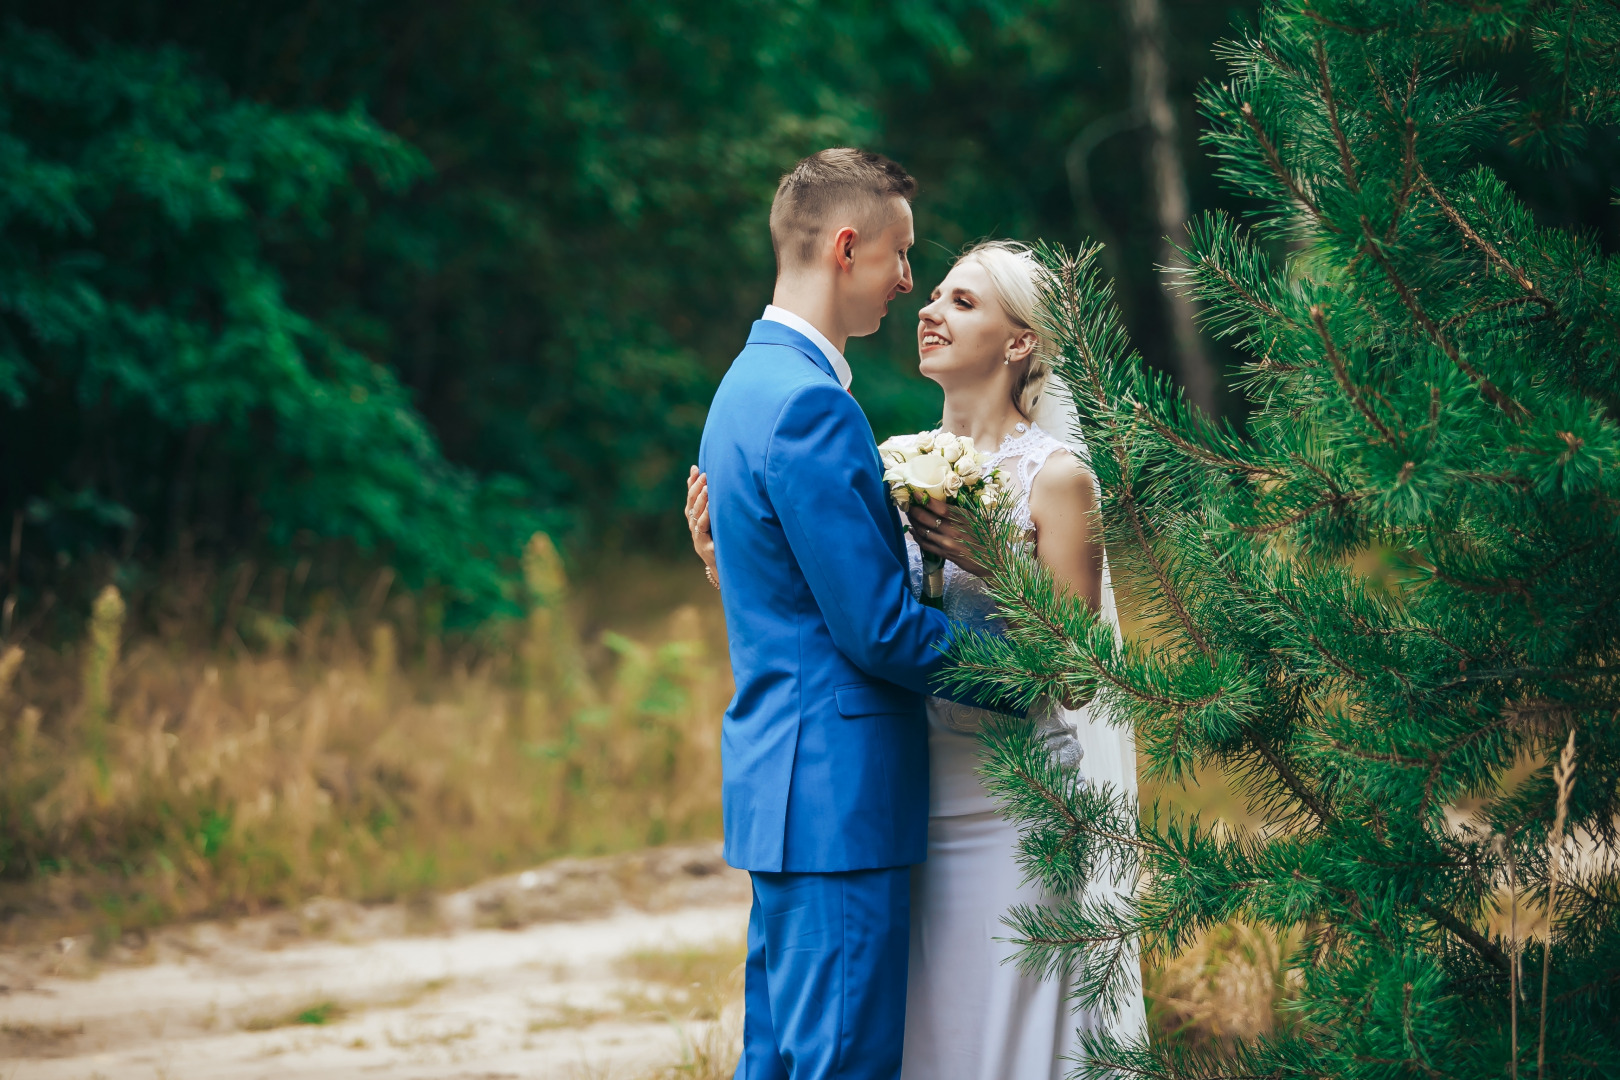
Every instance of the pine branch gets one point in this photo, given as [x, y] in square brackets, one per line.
[1490, 250]
[1299, 516]
[1403, 196]
[1292, 779]
[1467, 934]
[1528, 674]
[1281, 170]
[1352, 391]
[1485, 307]
[1225, 275]
[1203, 454]
[1027, 596]
[1346, 28]
[1075, 285]
[1347, 161]
[1491, 392]
[1104, 1058]
[1053, 795]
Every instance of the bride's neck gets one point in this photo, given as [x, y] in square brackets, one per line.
[986, 414]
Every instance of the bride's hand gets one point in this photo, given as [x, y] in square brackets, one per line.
[697, 516]
[939, 532]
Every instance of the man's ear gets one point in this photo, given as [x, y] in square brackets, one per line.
[844, 241]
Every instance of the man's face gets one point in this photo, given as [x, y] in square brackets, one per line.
[882, 269]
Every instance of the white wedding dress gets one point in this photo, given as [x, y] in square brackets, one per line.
[970, 1013]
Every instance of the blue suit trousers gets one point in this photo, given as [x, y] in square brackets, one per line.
[826, 976]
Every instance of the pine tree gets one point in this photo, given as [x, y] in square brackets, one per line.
[1394, 586]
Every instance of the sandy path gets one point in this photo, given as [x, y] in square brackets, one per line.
[545, 998]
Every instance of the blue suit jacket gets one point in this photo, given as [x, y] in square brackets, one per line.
[824, 747]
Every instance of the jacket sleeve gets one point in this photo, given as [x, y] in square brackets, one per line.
[825, 482]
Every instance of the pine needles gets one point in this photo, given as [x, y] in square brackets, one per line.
[1375, 602]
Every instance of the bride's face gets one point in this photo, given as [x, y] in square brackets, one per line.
[963, 334]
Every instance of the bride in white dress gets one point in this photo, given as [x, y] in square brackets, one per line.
[970, 1013]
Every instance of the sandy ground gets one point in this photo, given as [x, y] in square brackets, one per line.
[531, 975]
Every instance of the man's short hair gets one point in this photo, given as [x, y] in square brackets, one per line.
[855, 184]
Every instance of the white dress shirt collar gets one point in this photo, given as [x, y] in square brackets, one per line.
[840, 366]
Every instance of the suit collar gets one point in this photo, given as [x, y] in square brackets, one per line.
[794, 321]
[769, 332]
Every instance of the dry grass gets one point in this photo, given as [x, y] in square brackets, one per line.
[701, 992]
[690, 984]
[142, 782]
[356, 755]
[710, 1054]
[1226, 988]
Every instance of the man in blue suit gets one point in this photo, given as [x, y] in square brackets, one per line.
[824, 747]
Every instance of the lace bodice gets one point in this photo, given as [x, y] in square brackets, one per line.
[1020, 457]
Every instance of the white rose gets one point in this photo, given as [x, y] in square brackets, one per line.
[952, 483]
[925, 476]
[968, 468]
[950, 448]
[892, 449]
[925, 443]
[901, 495]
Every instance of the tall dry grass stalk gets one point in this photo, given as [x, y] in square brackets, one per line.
[155, 781]
[1564, 781]
[1515, 951]
[101, 657]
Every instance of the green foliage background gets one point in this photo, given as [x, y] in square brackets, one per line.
[422, 278]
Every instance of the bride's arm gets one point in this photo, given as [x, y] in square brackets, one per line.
[697, 521]
[1062, 504]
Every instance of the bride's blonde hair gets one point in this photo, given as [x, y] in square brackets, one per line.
[1017, 275]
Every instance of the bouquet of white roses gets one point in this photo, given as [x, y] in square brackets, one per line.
[938, 465]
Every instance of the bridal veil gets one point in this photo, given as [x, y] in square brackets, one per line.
[1109, 748]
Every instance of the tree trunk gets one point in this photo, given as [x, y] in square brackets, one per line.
[1168, 180]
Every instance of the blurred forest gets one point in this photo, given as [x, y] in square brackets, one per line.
[339, 285]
